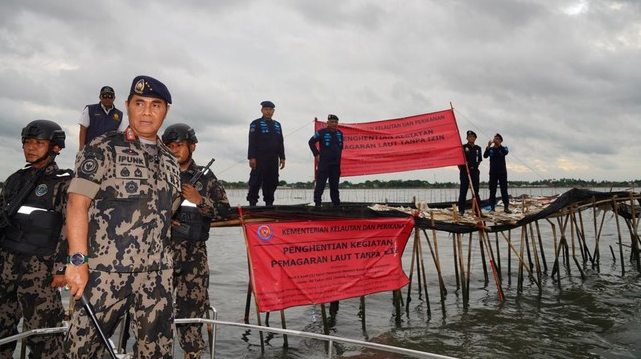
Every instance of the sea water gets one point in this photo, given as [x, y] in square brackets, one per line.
[595, 317]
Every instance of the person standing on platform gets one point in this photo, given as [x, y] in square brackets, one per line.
[121, 200]
[328, 157]
[266, 154]
[473, 158]
[498, 170]
[204, 201]
[99, 118]
[33, 248]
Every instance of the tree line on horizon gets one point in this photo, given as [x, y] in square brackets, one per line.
[563, 182]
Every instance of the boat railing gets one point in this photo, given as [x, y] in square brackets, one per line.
[215, 322]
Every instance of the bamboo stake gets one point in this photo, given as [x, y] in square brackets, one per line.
[585, 244]
[283, 325]
[468, 275]
[616, 213]
[635, 237]
[535, 253]
[482, 256]
[462, 268]
[538, 234]
[438, 259]
[509, 257]
[456, 259]
[422, 265]
[521, 261]
[409, 286]
[363, 312]
[441, 283]
[597, 250]
[557, 246]
[486, 239]
[498, 255]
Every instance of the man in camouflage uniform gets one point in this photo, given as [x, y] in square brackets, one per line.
[32, 249]
[205, 200]
[120, 205]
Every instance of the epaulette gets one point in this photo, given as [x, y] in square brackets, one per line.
[130, 135]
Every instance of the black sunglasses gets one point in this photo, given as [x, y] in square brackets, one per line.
[106, 95]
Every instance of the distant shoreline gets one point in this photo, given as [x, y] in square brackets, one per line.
[418, 184]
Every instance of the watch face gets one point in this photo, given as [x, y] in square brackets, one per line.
[77, 259]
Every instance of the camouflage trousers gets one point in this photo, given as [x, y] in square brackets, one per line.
[191, 280]
[146, 296]
[25, 292]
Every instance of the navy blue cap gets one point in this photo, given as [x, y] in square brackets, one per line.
[147, 86]
[268, 104]
[107, 89]
[470, 132]
[332, 117]
[499, 136]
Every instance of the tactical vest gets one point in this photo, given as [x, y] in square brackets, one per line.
[100, 122]
[35, 229]
[193, 225]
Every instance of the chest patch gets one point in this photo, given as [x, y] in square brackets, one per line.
[41, 190]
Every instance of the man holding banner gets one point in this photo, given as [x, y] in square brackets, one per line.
[328, 159]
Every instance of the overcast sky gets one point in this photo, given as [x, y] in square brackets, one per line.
[559, 79]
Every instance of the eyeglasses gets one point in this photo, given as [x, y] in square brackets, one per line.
[107, 95]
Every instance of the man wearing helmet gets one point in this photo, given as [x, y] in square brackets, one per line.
[204, 200]
[33, 247]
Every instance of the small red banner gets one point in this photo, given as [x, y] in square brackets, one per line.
[313, 262]
[418, 142]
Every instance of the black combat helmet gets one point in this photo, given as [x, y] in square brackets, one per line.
[44, 130]
[179, 132]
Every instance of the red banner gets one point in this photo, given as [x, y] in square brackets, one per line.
[312, 262]
[423, 141]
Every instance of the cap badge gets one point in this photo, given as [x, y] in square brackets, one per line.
[139, 88]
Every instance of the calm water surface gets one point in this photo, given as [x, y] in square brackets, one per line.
[599, 317]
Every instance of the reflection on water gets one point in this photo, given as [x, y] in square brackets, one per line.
[593, 318]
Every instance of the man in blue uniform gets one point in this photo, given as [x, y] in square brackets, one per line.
[204, 200]
[32, 247]
[473, 158]
[498, 170]
[328, 157]
[266, 153]
[99, 118]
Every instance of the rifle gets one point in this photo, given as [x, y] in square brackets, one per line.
[184, 228]
[11, 208]
[202, 171]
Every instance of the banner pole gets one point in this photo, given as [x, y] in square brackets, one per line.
[252, 285]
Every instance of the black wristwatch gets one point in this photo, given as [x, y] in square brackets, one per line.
[77, 259]
[202, 203]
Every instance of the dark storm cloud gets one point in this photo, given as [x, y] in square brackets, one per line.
[558, 79]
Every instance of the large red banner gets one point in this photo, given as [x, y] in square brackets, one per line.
[311, 262]
[418, 142]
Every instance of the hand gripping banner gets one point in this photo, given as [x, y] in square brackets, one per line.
[312, 262]
[418, 142]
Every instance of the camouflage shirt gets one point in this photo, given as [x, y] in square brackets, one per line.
[135, 188]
